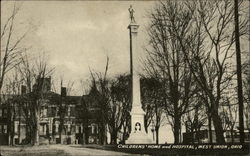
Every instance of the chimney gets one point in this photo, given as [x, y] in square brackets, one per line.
[47, 83]
[63, 91]
[42, 84]
[23, 89]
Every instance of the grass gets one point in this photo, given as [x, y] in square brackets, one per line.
[31, 151]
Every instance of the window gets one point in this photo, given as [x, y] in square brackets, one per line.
[72, 113]
[56, 129]
[41, 129]
[29, 113]
[89, 129]
[16, 126]
[45, 112]
[49, 113]
[68, 127]
[69, 111]
[17, 111]
[1, 112]
[77, 129]
[93, 129]
[57, 111]
[5, 112]
[5, 129]
[1, 130]
[53, 111]
[96, 129]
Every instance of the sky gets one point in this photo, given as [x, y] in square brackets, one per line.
[79, 35]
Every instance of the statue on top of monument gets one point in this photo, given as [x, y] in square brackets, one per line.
[131, 13]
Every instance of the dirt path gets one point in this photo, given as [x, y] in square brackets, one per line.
[80, 151]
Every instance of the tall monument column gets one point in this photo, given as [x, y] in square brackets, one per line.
[137, 134]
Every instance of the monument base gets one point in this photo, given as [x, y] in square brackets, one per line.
[139, 137]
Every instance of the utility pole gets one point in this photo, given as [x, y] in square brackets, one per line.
[239, 76]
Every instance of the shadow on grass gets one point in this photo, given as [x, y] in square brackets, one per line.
[35, 153]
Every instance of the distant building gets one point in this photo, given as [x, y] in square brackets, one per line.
[4, 121]
[78, 115]
[202, 136]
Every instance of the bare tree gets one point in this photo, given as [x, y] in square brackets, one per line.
[12, 92]
[166, 59]
[246, 91]
[11, 50]
[34, 74]
[119, 105]
[101, 84]
[239, 70]
[229, 115]
[153, 103]
[209, 41]
[194, 120]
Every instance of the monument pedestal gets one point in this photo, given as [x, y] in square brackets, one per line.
[139, 138]
[138, 134]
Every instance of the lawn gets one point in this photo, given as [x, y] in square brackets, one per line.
[31, 151]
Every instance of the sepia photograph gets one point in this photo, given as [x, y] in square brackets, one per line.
[130, 77]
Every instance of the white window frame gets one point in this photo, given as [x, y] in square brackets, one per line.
[16, 126]
[77, 129]
[5, 129]
[57, 128]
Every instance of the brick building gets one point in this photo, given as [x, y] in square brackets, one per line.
[63, 119]
[4, 121]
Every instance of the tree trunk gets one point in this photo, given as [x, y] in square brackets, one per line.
[103, 138]
[84, 139]
[145, 123]
[192, 132]
[124, 135]
[60, 132]
[210, 128]
[218, 127]
[157, 134]
[239, 76]
[12, 124]
[27, 134]
[232, 135]
[198, 135]
[146, 128]
[36, 139]
[177, 125]
[86, 133]
[114, 138]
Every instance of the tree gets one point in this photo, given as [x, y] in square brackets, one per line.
[101, 85]
[209, 41]
[11, 50]
[152, 102]
[63, 107]
[119, 105]
[239, 75]
[166, 61]
[12, 92]
[246, 91]
[229, 116]
[35, 74]
[195, 119]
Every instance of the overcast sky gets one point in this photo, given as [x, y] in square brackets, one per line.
[78, 35]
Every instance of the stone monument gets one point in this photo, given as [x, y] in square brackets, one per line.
[137, 134]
